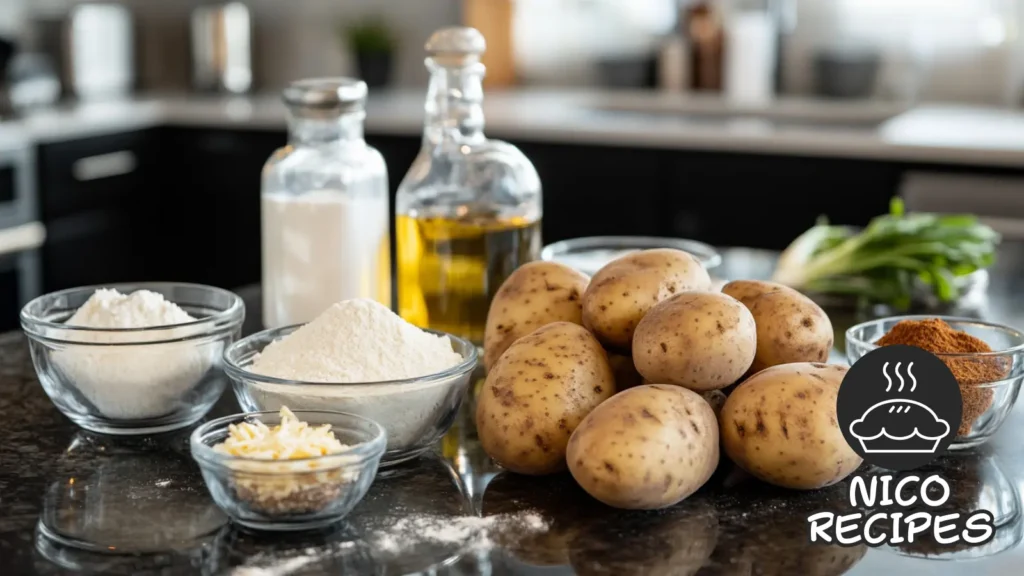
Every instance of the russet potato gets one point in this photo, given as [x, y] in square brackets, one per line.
[780, 425]
[537, 393]
[790, 326]
[536, 294]
[621, 293]
[699, 340]
[648, 447]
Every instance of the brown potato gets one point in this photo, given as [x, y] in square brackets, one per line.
[699, 340]
[780, 425]
[626, 288]
[715, 399]
[648, 447]
[536, 294]
[790, 328]
[746, 290]
[537, 393]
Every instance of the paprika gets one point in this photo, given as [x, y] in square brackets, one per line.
[935, 336]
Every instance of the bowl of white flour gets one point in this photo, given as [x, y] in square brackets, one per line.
[133, 358]
[358, 357]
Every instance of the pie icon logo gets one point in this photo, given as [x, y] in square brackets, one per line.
[898, 407]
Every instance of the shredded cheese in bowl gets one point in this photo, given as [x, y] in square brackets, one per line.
[286, 468]
[292, 439]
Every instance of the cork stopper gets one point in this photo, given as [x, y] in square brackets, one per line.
[456, 46]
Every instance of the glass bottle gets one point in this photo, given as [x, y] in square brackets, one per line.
[468, 212]
[325, 213]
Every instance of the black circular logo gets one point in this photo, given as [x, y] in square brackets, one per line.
[899, 407]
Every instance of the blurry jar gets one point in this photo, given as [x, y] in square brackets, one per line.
[468, 212]
[325, 213]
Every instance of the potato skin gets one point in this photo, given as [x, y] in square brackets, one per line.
[535, 294]
[746, 290]
[790, 328]
[780, 425]
[699, 340]
[646, 448]
[626, 288]
[537, 393]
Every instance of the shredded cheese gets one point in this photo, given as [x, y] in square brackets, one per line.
[292, 439]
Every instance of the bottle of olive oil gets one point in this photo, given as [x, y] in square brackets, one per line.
[468, 212]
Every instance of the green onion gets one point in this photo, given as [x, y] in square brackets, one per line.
[883, 262]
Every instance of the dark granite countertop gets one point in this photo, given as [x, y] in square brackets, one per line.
[62, 489]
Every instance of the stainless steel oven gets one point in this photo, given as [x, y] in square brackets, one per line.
[21, 233]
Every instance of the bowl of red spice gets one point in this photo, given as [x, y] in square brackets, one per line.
[987, 360]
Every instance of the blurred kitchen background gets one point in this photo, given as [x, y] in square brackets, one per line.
[132, 134]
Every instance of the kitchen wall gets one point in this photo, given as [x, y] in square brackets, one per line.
[294, 38]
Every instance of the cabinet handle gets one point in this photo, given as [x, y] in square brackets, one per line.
[104, 166]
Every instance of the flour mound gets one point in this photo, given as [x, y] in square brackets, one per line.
[354, 341]
[108, 308]
[134, 382]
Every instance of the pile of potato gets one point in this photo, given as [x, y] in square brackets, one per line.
[622, 379]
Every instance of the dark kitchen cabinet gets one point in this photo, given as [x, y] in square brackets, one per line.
[765, 201]
[598, 190]
[216, 177]
[94, 194]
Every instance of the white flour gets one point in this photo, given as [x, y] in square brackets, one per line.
[133, 382]
[356, 341]
[361, 341]
[322, 247]
[472, 531]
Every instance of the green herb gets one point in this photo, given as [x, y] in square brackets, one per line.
[369, 36]
[885, 261]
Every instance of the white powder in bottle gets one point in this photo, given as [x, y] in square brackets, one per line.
[321, 247]
[361, 341]
[133, 382]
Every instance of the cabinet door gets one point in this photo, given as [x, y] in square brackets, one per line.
[597, 190]
[97, 247]
[766, 201]
[219, 183]
[94, 173]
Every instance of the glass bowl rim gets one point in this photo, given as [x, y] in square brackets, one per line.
[851, 339]
[366, 451]
[237, 372]
[548, 252]
[234, 314]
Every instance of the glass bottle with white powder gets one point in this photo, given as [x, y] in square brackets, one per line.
[325, 210]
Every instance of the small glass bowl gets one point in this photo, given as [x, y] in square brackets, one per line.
[994, 399]
[588, 255]
[415, 412]
[133, 380]
[300, 494]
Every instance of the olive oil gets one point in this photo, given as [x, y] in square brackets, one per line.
[449, 269]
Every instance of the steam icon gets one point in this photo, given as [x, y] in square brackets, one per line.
[899, 425]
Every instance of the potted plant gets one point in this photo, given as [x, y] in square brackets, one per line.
[373, 46]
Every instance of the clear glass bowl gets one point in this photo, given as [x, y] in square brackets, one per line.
[992, 400]
[133, 380]
[415, 412]
[298, 494]
[588, 255]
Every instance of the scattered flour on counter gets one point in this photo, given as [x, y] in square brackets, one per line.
[356, 340]
[269, 565]
[474, 532]
[133, 382]
[362, 341]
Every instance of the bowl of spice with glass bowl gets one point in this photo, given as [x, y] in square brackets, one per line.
[986, 358]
